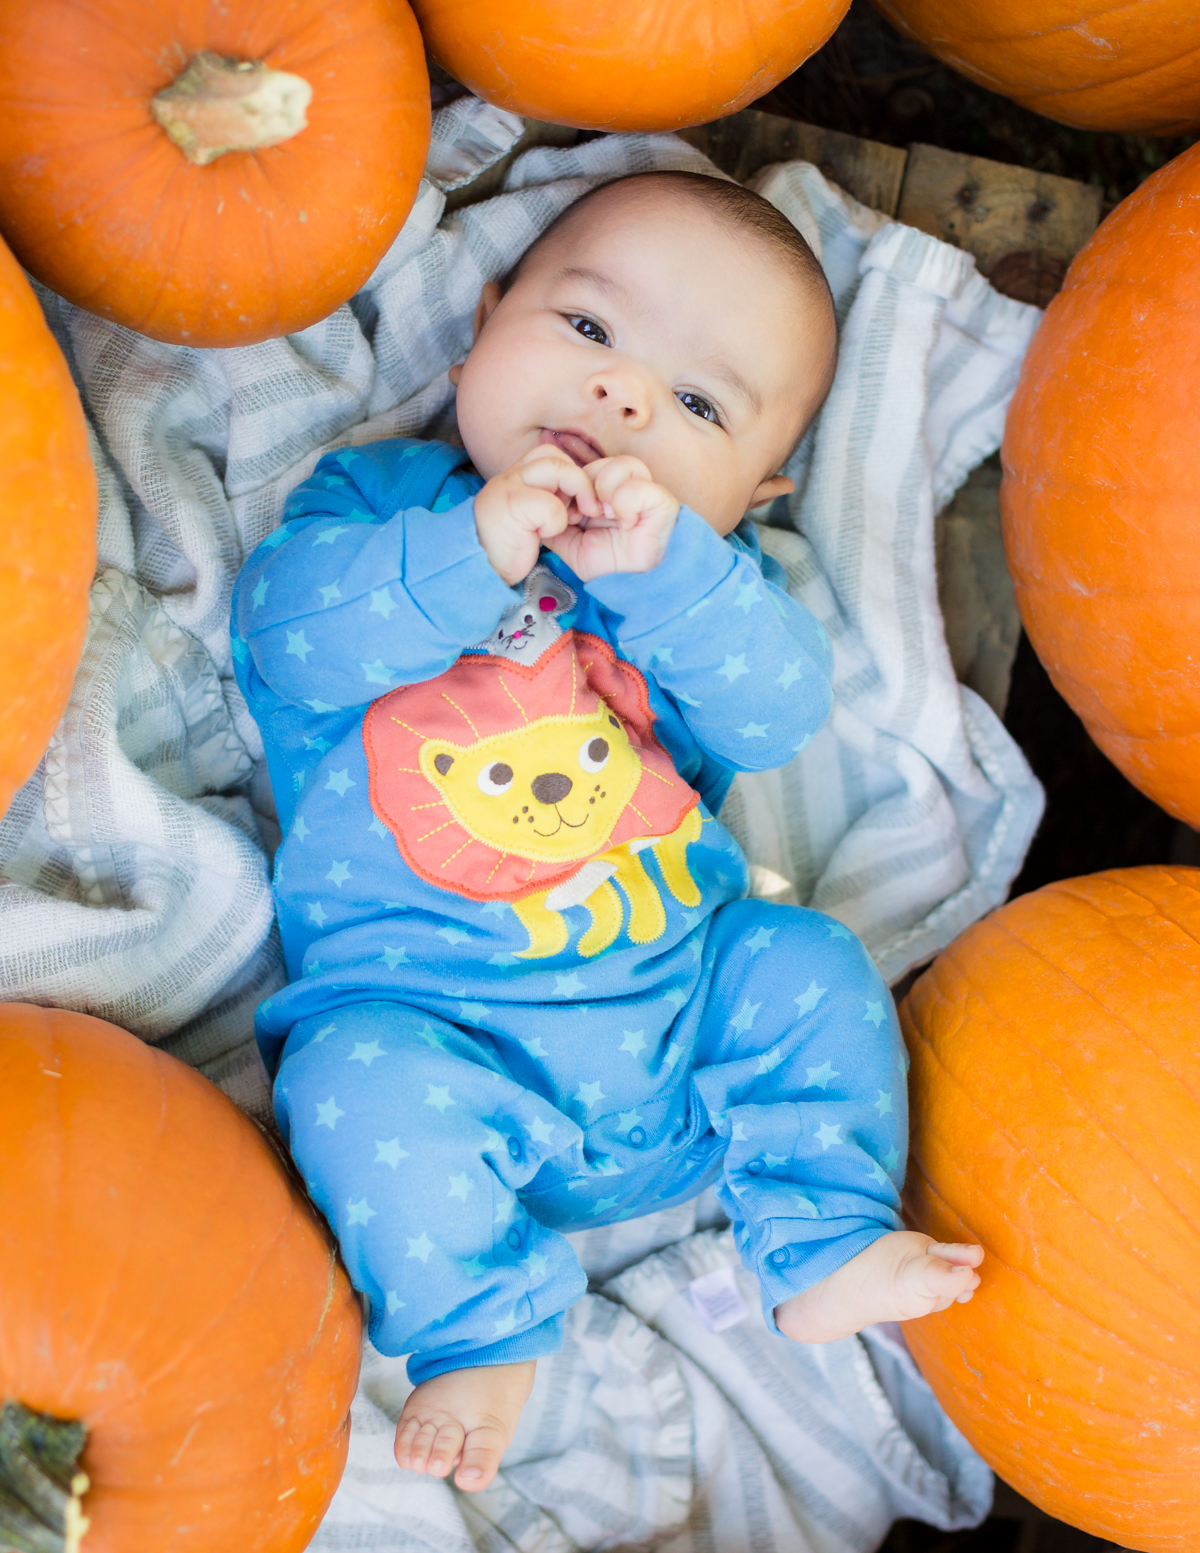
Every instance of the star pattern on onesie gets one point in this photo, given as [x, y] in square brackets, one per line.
[833, 1127]
[619, 1080]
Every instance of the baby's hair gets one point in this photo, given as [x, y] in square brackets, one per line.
[731, 201]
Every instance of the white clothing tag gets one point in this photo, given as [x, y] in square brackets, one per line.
[575, 890]
[718, 1299]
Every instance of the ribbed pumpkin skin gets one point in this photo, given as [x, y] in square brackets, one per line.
[1101, 489]
[623, 64]
[98, 203]
[162, 1279]
[48, 501]
[1133, 67]
[1055, 1098]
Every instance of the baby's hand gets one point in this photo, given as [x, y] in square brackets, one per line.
[530, 505]
[632, 525]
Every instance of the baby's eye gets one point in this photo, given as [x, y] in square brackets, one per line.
[590, 330]
[698, 406]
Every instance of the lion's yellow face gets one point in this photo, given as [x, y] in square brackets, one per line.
[551, 791]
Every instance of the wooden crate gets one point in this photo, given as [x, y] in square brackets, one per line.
[1022, 227]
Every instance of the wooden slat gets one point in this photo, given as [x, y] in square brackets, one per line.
[1023, 227]
[746, 142]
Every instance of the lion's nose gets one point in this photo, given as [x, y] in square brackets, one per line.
[551, 787]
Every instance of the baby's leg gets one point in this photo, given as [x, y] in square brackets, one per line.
[802, 1068]
[415, 1142]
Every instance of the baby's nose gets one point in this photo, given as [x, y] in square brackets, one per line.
[629, 395]
[551, 787]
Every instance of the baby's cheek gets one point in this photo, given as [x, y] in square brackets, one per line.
[501, 402]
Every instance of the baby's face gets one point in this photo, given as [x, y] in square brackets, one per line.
[650, 326]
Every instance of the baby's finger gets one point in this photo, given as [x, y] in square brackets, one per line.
[552, 470]
[608, 474]
[544, 513]
[638, 500]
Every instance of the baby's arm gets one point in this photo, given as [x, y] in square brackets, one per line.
[356, 593]
[747, 665]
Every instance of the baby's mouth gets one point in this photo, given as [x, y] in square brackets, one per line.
[574, 444]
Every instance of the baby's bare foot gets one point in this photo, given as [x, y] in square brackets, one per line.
[898, 1277]
[464, 1419]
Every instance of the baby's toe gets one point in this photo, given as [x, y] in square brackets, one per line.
[446, 1448]
[428, 1444]
[480, 1458]
[406, 1439]
[960, 1253]
[928, 1284]
[944, 1282]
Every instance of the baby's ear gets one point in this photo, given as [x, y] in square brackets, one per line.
[489, 298]
[768, 490]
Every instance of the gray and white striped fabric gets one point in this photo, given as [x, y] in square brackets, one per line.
[649, 1431]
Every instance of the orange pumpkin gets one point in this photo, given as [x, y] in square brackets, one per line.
[164, 1282]
[622, 64]
[1084, 62]
[1101, 491]
[1055, 1095]
[48, 555]
[209, 172]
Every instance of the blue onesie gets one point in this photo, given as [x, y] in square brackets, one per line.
[527, 991]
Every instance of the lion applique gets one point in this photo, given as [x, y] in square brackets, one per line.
[539, 784]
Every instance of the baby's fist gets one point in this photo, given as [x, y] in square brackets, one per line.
[528, 505]
[633, 527]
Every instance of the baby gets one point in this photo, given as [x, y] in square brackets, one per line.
[503, 692]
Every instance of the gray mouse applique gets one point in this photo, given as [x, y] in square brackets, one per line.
[528, 628]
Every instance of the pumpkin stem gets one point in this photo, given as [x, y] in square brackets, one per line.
[41, 1485]
[217, 105]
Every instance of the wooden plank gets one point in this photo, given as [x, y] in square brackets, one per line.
[1023, 227]
[746, 142]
